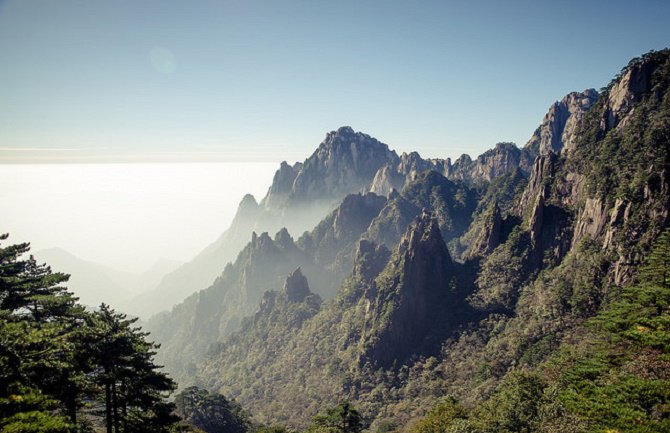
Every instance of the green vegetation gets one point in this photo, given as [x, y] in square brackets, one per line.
[612, 375]
[64, 369]
[210, 412]
[559, 322]
[342, 418]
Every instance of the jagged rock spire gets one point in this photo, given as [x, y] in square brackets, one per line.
[296, 287]
[412, 295]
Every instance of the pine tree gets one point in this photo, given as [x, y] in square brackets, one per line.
[657, 268]
[54, 355]
[133, 387]
[342, 418]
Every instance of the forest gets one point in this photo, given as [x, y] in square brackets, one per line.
[525, 290]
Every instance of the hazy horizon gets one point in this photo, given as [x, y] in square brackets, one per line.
[126, 216]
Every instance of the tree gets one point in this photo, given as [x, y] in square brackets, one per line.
[29, 290]
[35, 319]
[342, 418]
[212, 412]
[657, 268]
[54, 355]
[134, 389]
[440, 417]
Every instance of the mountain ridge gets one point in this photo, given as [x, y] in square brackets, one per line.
[524, 260]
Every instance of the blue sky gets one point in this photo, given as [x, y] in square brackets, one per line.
[265, 80]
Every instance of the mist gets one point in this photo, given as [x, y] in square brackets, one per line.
[126, 216]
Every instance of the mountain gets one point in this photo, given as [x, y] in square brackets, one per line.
[94, 283]
[413, 295]
[91, 282]
[462, 279]
[348, 162]
[325, 255]
[299, 197]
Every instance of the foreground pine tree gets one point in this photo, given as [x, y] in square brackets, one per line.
[59, 363]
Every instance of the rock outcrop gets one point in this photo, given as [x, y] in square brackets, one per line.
[295, 287]
[626, 91]
[411, 296]
[503, 158]
[370, 260]
[344, 163]
[490, 235]
[386, 180]
[558, 128]
[333, 241]
[282, 184]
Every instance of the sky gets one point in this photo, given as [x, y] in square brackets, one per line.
[204, 80]
[247, 84]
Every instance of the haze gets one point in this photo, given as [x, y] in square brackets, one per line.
[126, 216]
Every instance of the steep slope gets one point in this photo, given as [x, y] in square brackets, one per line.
[300, 196]
[349, 162]
[558, 128]
[92, 283]
[345, 162]
[325, 255]
[593, 214]
[200, 272]
[188, 330]
[375, 310]
[414, 298]
[542, 256]
[452, 202]
[332, 243]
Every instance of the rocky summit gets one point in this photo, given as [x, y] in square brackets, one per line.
[449, 284]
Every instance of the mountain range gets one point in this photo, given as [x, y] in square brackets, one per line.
[94, 283]
[394, 281]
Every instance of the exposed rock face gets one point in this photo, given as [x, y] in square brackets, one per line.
[578, 104]
[333, 240]
[345, 162]
[490, 236]
[370, 260]
[296, 287]
[386, 180]
[201, 272]
[452, 202]
[282, 184]
[411, 296]
[284, 240]
[538, 183]
[558, 127]
[504, 158]
[349, 162]
[625, 92]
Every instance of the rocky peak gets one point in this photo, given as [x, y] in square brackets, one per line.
[411, 296]
[261, 242]
[247, 209]
[283, 239]
[345, 162]
[386, 179]
[627, 90]
[503, 158]
[558, 128]
[296, 287]
[412, 162]
[370, 260]
[423, 235]
[490, 236]
[538, 183]
[282, 184]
